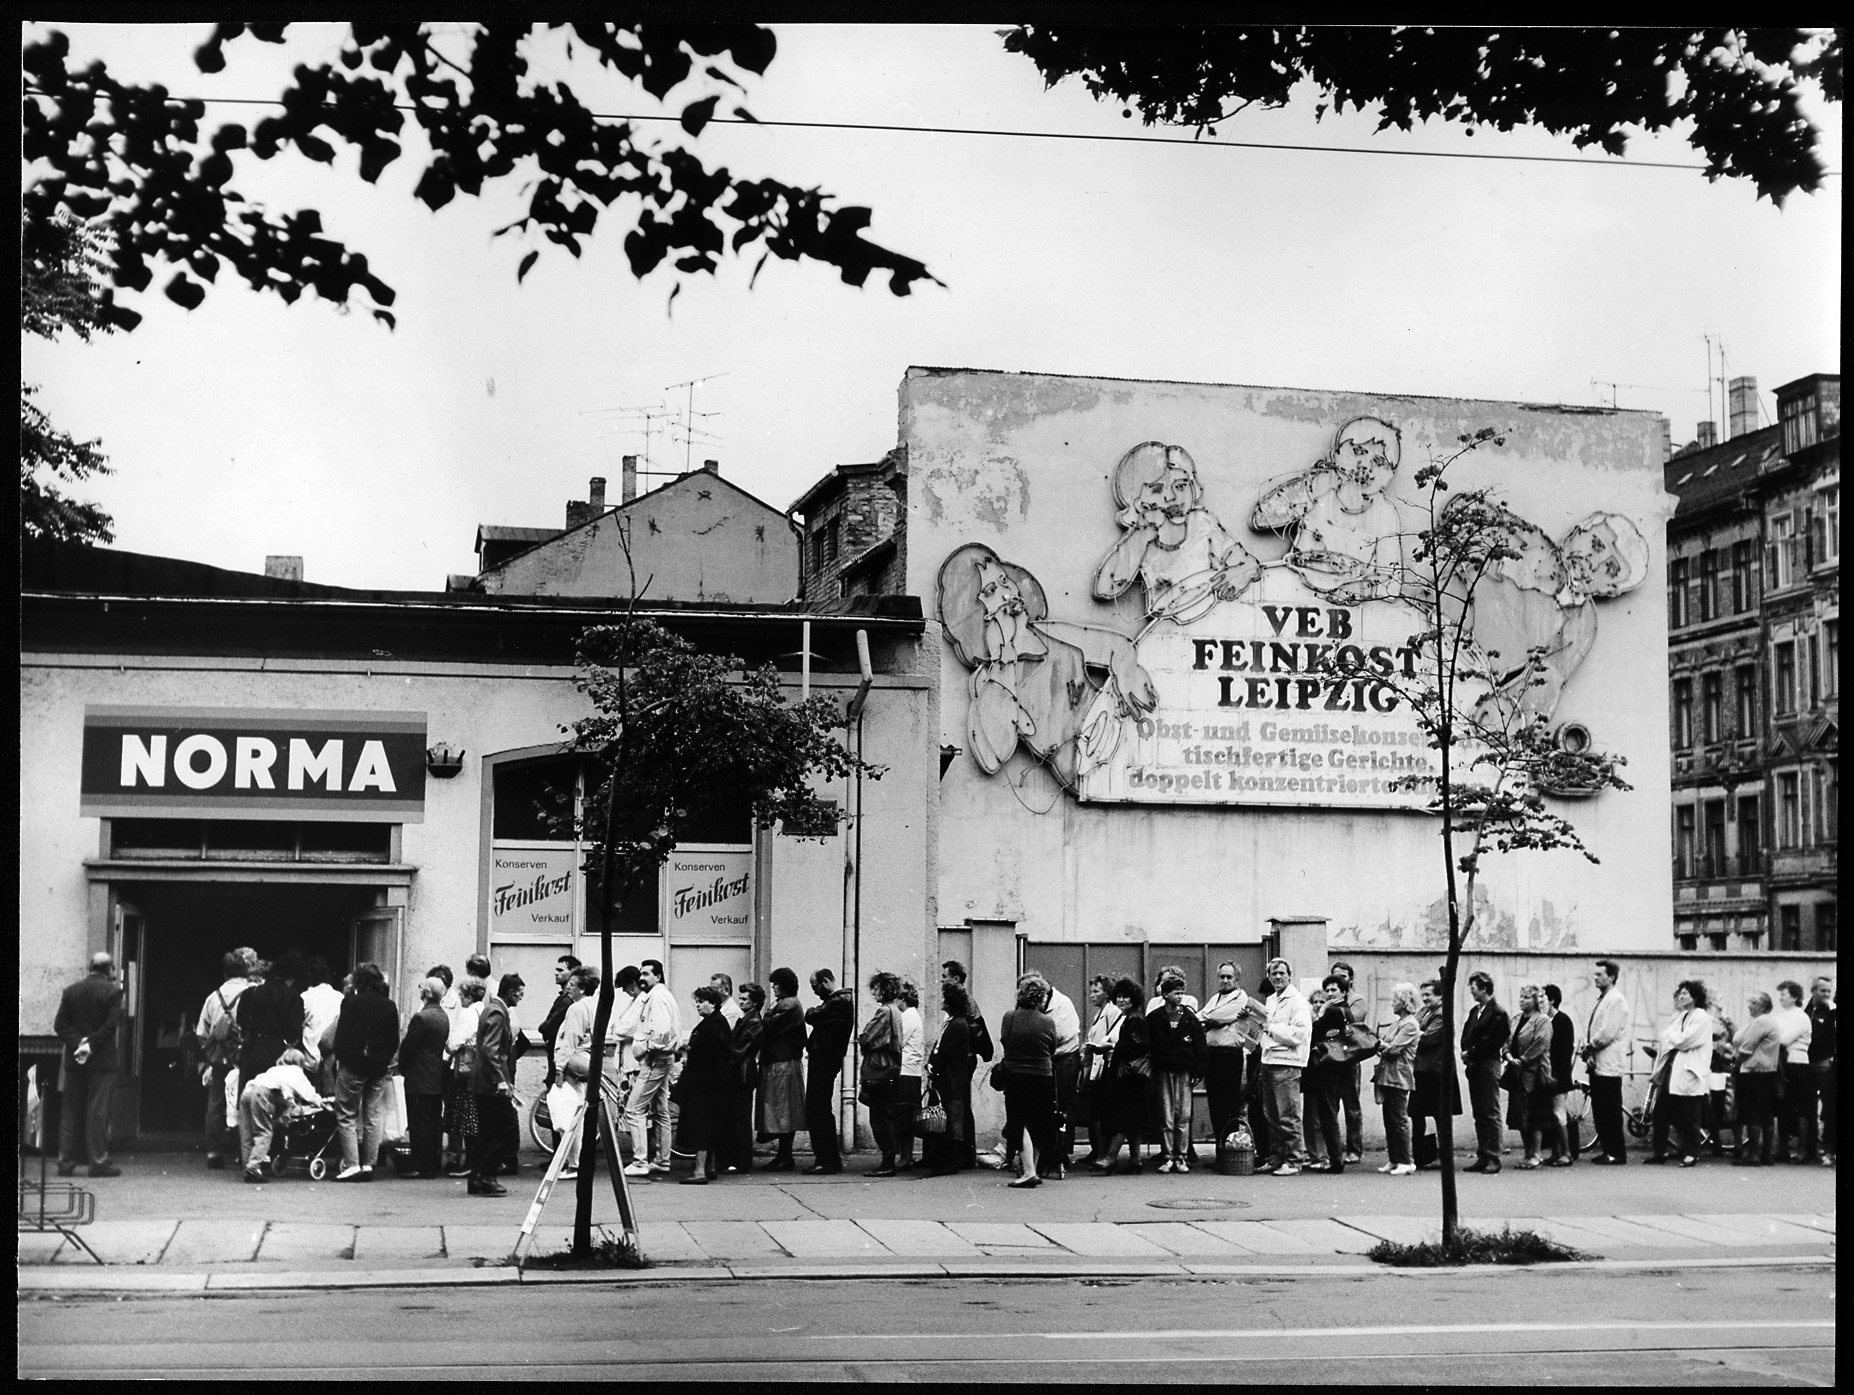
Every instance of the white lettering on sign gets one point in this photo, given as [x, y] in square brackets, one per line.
[252, 758]
[214, 751]
[371, 771]
[148, 762]
[324, 765]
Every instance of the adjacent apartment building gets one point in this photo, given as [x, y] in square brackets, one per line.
[1753, 606]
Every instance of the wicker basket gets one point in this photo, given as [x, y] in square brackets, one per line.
[1236, 1156]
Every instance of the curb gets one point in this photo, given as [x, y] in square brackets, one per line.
[94, 1281]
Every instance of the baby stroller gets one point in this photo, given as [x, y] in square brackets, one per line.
[307, 1135]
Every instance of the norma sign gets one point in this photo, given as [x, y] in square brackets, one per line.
[246, 763]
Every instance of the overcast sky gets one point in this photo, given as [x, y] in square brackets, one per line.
[249, 427]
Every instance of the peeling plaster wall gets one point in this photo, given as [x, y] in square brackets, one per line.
[1024, 464]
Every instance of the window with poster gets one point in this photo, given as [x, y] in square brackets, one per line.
[695, 912]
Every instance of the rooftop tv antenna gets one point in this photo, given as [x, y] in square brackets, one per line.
[689, 414]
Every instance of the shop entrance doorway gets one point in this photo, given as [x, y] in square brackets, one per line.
[185, 929]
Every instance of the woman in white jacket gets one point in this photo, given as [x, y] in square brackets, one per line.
[1687, 1040]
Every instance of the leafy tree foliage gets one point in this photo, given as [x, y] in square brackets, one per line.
[1737, 87]
[678, 736]
[1497, 761]
[142, 161]
[61, 262]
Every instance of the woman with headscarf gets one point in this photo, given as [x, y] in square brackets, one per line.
[1394, 1076]
[1438, 1088]
[706, 1085]
[782, 1071]
[1528, 1100]
[949, 1076]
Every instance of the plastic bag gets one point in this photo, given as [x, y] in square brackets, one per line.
[393, 1111]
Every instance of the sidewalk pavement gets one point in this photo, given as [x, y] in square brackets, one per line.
[167, 1223]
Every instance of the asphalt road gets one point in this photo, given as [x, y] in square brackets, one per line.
[1646, 1327]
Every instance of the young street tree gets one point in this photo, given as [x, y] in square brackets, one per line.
[140, 160]
[1502, 770]
[61, 263]
[678, 736]
[1737, 91]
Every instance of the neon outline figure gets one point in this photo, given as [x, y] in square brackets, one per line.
[1183, 557]
[1347, 538]
[1543, 599]
[1062, 701]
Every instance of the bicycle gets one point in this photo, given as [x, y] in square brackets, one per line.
[1640, 1120]
[540, 1120]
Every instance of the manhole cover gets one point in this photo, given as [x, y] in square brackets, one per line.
[1195, 1203]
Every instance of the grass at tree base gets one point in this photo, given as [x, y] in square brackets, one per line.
[1504, 1246]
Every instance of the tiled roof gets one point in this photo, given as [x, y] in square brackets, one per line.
[1704, 477]
[499, 532]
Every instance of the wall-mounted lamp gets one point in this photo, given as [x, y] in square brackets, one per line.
[443, 760]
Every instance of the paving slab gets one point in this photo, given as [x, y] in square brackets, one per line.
[124, 1242]
[920, 1239]
[1181, 1238]
[1100, 1239]
[1767, 1230]
[668, 1243]
[1399, 1230]
[1259, 1239]
[1001, 1235]
[1808, 1221]
[214, 1242]
[1564, 1232]
[395, 1244]
[493, 1242]
[1627, 1233]
[1327, 1234]
[727, 1240]
[300, 1240]
[1699, 1230]
[43, 1247]
[825, 1240]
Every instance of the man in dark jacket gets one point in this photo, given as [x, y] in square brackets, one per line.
[421, 1066]
[494, 1088]
[270, 1018]
[366, 1034]
[1483, 1040]
[979, 1038]
[89, 1016]
[831, 1022]
[549, 1029]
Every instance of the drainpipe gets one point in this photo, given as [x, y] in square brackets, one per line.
[853, 884]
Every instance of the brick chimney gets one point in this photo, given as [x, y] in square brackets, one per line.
[1667, 440]
[712, 466]
[1705, 436]
[595, 494]
[629, 479]
[284, 568]
[1741, 398]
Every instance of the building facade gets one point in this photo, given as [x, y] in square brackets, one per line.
[1753, 587]
[212, 759]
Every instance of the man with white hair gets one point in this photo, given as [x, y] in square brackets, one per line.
[88, 1020]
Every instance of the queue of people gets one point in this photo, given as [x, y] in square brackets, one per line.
[1280, 1071]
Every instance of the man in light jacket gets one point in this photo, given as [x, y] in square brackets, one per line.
[1606, 1039]
[659, 1031]
[1285, 1037]
[216, 1062]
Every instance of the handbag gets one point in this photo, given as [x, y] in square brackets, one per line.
[463, 1063]
[1359, 1042]
[931, 1116]
[1509, 1078]
[1139, 1068]
[1547, 1081]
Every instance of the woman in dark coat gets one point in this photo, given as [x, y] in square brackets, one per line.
[782, 1071]
[949, 1073]
[1438, 1088]
[1325, 1078]
[1028, 1036]
[421, 1066]
[1127, 1082]
[749, 1032]
[706, 1085]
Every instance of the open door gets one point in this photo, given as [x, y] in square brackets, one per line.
[128, 945]
[377, 935]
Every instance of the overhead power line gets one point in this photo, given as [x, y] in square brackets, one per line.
[1215, 142]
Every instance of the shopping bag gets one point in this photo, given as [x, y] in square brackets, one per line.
[393, 1111]
[563, 1105]
[231, 1093]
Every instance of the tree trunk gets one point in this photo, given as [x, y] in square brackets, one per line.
[595, 1071]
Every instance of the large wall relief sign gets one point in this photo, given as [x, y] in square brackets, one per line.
[1251, 681]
